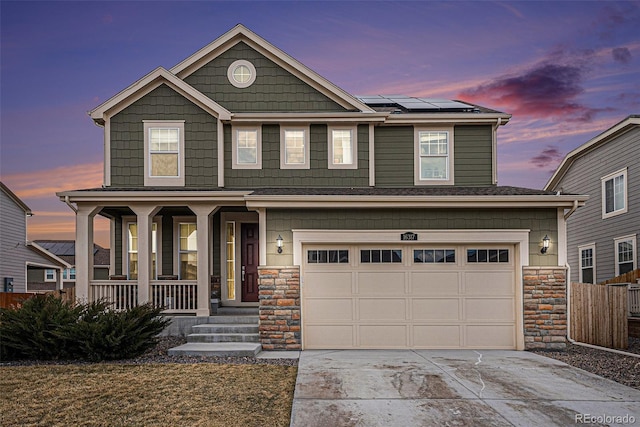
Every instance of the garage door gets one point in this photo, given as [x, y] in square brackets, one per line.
[409, 296]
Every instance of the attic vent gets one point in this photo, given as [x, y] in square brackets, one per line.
[241, 73]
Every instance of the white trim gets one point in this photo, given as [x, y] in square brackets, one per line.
[107, 154]
[174, 181]
[234, 147]
[355, 117]
[177, 220]
[634, 245]
[220, 145]
[603, 181]
[434, 119]
[55, 275]
[241, 63]
[353, 130]
[562, 237]
[418, 180]
[581, 248]
[372, 161]
[307, 147]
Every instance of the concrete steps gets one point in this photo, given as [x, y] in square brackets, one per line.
[232, 333]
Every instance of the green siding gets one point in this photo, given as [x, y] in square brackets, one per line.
[539, 221]
[394, 156]
[167, 245]
[163, 103]
[119, 246]
[319, 175]
[274, 90]
[472, 155]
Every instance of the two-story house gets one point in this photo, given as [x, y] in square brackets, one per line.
[602, 237]
[351, 222]
[20, 257]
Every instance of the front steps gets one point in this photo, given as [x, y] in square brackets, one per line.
[232, 333]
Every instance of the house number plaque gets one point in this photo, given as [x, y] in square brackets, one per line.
[408, 236]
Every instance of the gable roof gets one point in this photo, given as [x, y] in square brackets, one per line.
[15, 198]
[150, 82]
[240, 33]
[607, 136]
[66, 250]
[48, 255]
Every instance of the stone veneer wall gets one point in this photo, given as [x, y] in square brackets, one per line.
[279, 299]
[545, 307]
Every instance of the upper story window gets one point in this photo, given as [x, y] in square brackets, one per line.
[433, 156]
[625, 254]
[164, 153]
[343, 147]
[247, 148]
[614, 194]
[241, 73]
[587, 256]
[294, 148]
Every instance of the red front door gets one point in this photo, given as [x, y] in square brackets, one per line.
[250, 259]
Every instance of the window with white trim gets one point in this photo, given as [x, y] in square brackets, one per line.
[587, 257]
[625, 251]
[188, 251]
[614, 194]
[241, 73]
[433, 156]
[132, 251]
[69, 274]
[164, 153]
[49, 275]
[247, 148]
[294, 148]
[343, 147]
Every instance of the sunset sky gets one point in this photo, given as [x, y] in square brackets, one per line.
[567, 71]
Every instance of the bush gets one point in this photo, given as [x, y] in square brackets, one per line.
[46, 328]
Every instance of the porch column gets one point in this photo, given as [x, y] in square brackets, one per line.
[84, 249]
[203, 232]
[144, 215]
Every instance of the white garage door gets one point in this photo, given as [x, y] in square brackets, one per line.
[409, 296]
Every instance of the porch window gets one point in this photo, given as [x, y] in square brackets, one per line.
[231, 259]
[188, 251]
[294, 148]
[247, 148]
[164, 148]
[614, 194]
[132, 251]
[342, 147]
[433, 156]
[625, 254]
[587, 264]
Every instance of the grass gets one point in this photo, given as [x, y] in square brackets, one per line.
[147, 395]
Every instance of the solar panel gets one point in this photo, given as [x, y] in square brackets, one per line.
[413, 104]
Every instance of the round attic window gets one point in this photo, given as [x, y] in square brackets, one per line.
[241, 73]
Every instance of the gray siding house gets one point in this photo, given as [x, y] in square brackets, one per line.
[346, 221]
[602, 237]
[17, 255]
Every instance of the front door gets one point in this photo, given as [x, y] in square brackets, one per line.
[250, 259]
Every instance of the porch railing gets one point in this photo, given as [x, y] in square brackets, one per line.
[122, 294]
[634, 300]
[176, 296]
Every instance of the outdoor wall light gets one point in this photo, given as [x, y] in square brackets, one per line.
[279, 243]
[545, 244]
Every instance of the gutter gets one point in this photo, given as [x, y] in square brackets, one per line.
[573, 209]
[73, 208]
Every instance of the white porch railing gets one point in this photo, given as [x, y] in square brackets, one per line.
[122, 294]
[634, 300]
[176, 296]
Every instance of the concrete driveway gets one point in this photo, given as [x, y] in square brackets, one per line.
[453, 388]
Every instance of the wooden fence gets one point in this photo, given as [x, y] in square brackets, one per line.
[599, 315]
[630, 277]
[8, 299]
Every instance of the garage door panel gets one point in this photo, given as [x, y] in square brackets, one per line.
[488, 283]
[328, 309]
[328, 284]
[435, 308]
[437, 336]
[380, 283]
[329, 336]
[490, 336]
[496, 309]
[383, 336]
[435, 283]
[382, 309]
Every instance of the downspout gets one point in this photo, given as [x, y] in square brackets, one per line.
[571, 340]
[494, 142]
[73, 208]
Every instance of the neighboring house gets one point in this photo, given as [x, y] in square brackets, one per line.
[65, 250]
[351, 222]
[602, 237]
[18, 256]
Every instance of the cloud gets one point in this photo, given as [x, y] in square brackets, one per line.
[621, 55]
[550, 155]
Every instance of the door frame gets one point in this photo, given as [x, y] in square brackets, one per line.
[239, 218]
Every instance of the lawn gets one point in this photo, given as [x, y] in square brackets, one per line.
[203, 394]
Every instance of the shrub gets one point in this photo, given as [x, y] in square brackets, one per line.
[46, 328]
